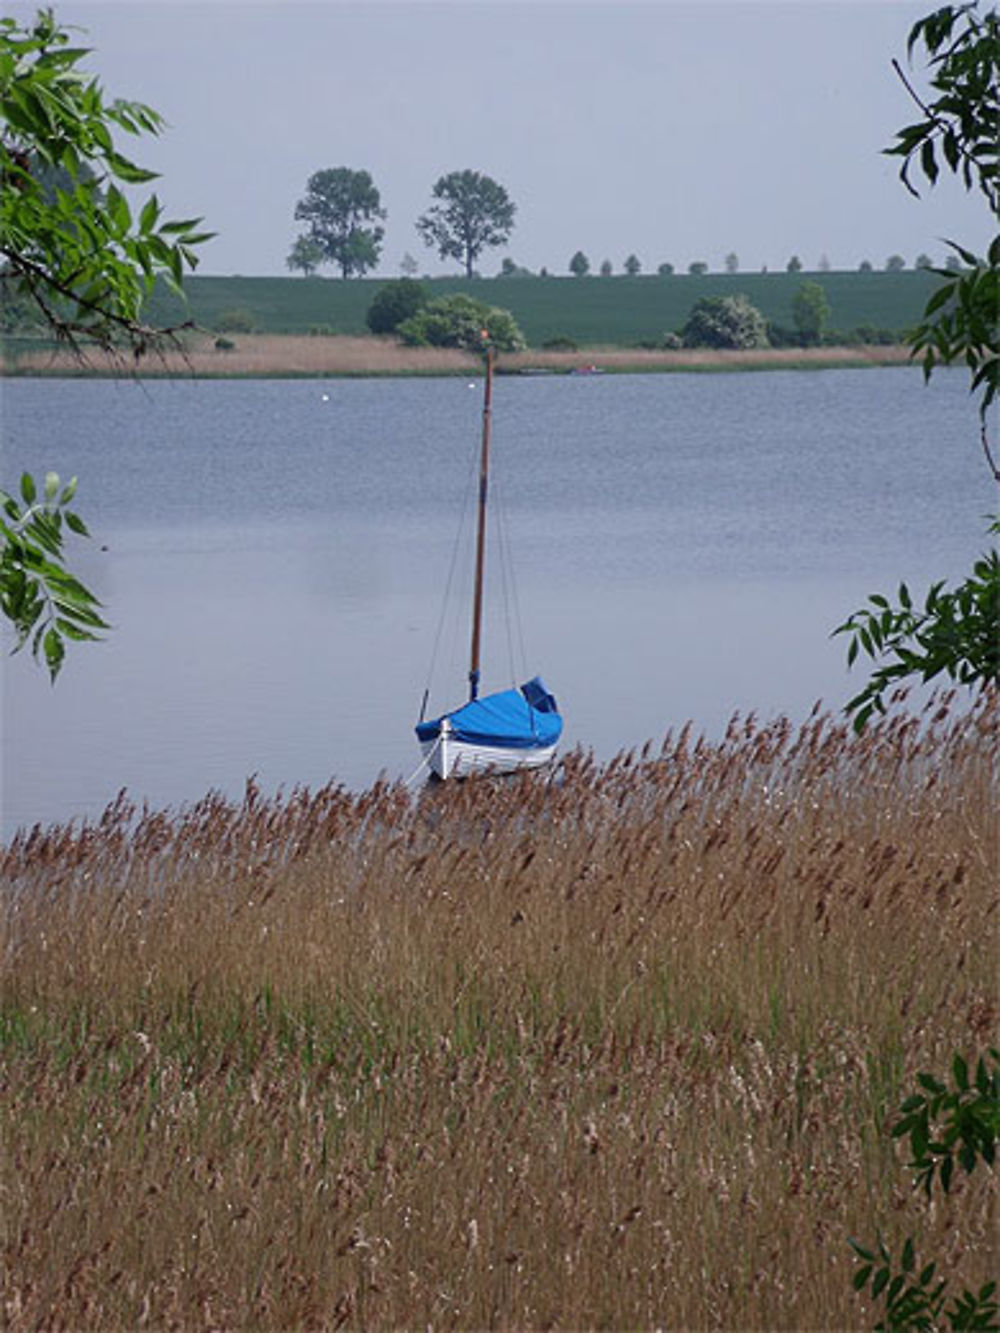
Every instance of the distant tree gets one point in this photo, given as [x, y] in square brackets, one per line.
[510, 269]
[458, 321]
[579, 265]
[305, 256]
[340, 205]
[810, 311]
[953, 264]
[923, 261]
[472, 213]
[823, 264]
[606, 268]
[665, 270]
[865, 266]
[895, 264]
[794, 265]
[725, 321]
[732, 262]
[395, 302]
[698, 268]
[408, 265]
[632, 266]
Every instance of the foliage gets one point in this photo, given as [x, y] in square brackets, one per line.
[960, 118]
[340, 205]
[510, 268]
[969, 1116]
[305, 256]
[665, 269]
[579, 265]
[85, 256]
[38, 596]
[76, 254]
[923, 260]
[395, 302]
[794, 265]
[970, 1112]
[963, 52]
[865, 266]
[632, 266]
[725, 321]
[606, 268]
[458, 321]
[408, 265]
[697, 268]
[810, 311]
[472, 212]
[957, 632]
[732, 262]
[895, 264]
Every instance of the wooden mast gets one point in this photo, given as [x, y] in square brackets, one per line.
[484, 472]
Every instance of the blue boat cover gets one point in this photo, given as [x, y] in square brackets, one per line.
[521, 719]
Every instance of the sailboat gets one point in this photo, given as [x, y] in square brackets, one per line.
[503, 732]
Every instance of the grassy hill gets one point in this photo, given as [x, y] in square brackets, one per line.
[618, 310]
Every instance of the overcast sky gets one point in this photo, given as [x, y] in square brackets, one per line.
[675, 130]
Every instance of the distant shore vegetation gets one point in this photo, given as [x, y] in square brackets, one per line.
[257, 324]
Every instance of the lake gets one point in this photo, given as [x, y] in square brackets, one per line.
[273, 556]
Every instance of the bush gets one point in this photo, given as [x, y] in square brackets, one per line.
[560, 344]
[224, 345]
[234, 321]
[397, 301]
[458, 321]
[725, 321]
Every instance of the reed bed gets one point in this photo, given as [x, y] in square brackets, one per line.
[618, 1047]
[293, 355]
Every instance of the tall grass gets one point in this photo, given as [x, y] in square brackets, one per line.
[275, 355]
[613, 1048]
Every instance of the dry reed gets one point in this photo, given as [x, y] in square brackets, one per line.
[292, 355]
[616, 1048]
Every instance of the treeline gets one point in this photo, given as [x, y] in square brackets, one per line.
[471, 213]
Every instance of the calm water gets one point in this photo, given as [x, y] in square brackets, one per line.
[277, 553]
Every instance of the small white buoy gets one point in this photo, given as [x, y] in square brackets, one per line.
[472, 386]
[326, 398]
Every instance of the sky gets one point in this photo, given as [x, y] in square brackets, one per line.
[677, 130]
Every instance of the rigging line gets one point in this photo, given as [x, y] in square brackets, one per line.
[446, 599]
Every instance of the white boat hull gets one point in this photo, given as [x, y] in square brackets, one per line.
[447, 757]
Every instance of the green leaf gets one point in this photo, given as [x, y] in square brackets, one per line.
[51, 486]
[28, 491]
[908, 1260]
[76, 524]
[861, 1277]
[960, 1072]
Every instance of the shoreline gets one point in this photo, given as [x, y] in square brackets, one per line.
[295, 356]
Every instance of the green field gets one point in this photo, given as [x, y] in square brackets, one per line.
[618, 311]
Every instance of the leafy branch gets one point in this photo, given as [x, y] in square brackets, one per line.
[43, 601]
[69, 239]
[946, 1126]
[957, 633]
